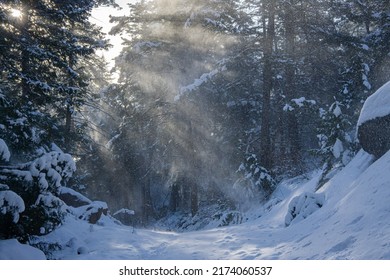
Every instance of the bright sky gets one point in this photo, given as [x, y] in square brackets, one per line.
[100, 16]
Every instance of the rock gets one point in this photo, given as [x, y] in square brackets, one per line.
[374, 136]
[93, 212]
[125, 216]
[73, 198]
[374, 122]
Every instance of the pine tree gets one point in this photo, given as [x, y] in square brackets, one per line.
[42, 51]
[29, 192]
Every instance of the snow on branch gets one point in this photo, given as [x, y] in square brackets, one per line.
[298, 103]
[11, 203]
[124, 211]
[200, 81]
[4, 151]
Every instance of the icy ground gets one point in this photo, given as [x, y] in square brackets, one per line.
[353, 223]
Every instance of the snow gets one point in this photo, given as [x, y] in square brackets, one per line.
[351, 221]
[80, 197]
[12, 203]
[140, 45]
[303, 206]
[197, 83]
[12, 250]
[299, 103]
[337, 148]
[204, 78]
[4, 152]
[125, 211]
[366, 83]
[376, 105]
[52, 168]
[288, 108]
[337, 110]
[112, 140]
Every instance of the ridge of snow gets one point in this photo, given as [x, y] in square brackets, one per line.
[377, 105]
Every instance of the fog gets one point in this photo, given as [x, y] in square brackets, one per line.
[177, 47]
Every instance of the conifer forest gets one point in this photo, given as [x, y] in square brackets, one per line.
[209, 106]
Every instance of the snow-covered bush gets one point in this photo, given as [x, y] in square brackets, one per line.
[303, 206]
[255, 178]
[11, 203]
[29, 199]
[4, 151]
[337, 144]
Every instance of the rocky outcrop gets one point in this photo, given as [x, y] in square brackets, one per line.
[125, 216]
[374, 136]
[374, 122]
[93, 212]
[73, 198]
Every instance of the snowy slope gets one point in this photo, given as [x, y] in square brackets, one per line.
[12, 250]
[354, 223]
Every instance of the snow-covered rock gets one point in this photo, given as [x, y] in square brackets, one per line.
[73, 198]
[374, 122]
[125, 216]
[92, 212]
[303, 206]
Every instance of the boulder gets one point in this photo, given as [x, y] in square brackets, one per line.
[73, 198]
[374, 136]
[374, 122]
[125, 216]
[93, 212]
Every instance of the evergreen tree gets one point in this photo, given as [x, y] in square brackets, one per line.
[29, 192]
[42, 51]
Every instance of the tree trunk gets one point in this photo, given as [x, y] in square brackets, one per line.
[265, 145]
[147, 210]
[192, 182]
[175, 197]
[25, 63]
[293, 147]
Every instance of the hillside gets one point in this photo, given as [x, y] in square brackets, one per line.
[353, 223]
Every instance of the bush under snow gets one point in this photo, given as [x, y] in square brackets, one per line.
[29, 203]
[4, 151]
[303, 206]
[12, 204]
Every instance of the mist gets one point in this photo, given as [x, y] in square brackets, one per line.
[175, 133]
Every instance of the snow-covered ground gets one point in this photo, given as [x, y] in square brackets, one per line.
[353, 223]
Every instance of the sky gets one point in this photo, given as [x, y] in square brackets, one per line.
[101, 17]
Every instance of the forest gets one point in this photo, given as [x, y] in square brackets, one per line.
[209, 106]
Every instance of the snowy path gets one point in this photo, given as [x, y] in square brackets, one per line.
[354, 223]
